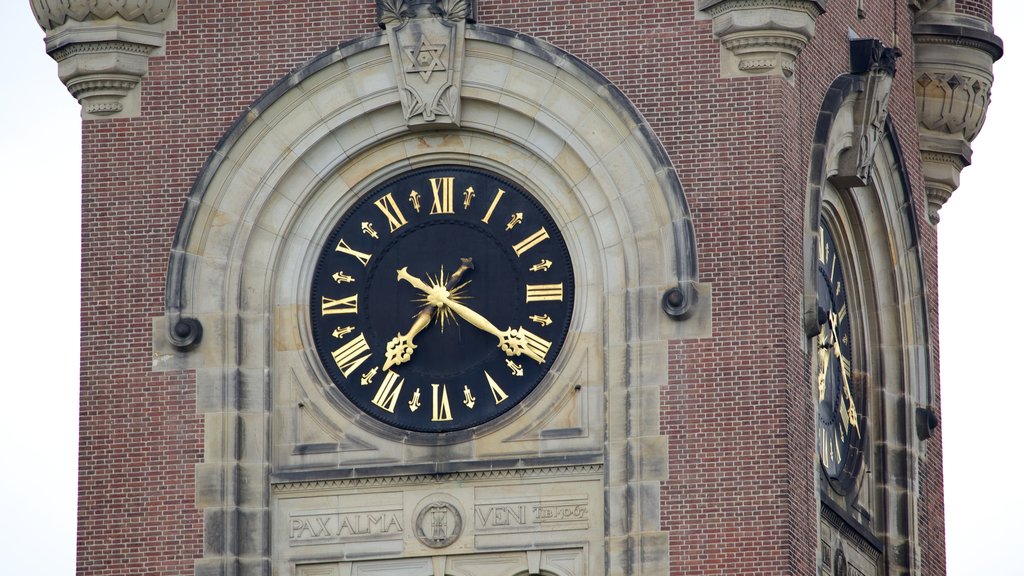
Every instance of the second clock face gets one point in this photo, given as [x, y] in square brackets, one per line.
[440, 299]
[839, 422]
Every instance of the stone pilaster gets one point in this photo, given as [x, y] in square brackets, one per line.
[102, 48]
[761, 37]
[954, 54]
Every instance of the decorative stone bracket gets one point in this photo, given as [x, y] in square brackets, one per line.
[102, 48]
[875, 65]
[954, 55]
[427, 39]
[761, 37]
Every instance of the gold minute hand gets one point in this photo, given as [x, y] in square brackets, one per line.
[512, 342]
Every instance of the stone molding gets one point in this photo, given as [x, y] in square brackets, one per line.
[954, 54]
[761, 37]
[102, 48]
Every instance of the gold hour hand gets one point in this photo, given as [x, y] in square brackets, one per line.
[399, 349]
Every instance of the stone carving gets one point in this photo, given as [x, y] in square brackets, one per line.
[876, 66]
[438, 521]
[762, 37]
[102, 48]
[53, 13]
[954, 55]
[427, 45]
[344, 526]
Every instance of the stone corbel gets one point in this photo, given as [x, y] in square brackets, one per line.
[954, 54]
[761, 37]
[102, 48]
[876, 66]
[427, 40]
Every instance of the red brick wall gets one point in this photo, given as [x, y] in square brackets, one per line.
[140, 435]
[978, 8]
[740, 497]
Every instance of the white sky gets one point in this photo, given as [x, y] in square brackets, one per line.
[982, 317]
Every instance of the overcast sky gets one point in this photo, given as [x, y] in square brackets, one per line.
[982, 317]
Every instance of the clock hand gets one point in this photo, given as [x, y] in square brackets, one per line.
[399, 349]
[823, 358]
[512, 342]
[852, 410]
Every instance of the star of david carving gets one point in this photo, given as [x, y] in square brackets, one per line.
[425, 59]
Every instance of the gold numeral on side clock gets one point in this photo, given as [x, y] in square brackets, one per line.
[530, 241]
[346, 305]
[363, 257]
[351, 355]
[542, 292]
[444, 195]
[387, 395]
[441, 410]
[390, 208]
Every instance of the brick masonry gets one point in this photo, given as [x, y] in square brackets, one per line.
[740, 496]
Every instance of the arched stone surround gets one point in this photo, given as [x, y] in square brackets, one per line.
[277, 431]
[877, 229]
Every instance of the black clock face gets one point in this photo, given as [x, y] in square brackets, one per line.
[441, 298]
[839, 409]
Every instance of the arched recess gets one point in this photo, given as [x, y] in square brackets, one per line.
[876, 227]
[256, 217]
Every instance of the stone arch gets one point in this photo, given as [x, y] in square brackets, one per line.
[237, 282]
[878, 229]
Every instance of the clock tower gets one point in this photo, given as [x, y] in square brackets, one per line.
[459, 287]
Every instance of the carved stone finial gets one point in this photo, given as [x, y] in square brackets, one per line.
[762, 37]
[954, 55]
[427, 39]
[102, 48]
[876, 66]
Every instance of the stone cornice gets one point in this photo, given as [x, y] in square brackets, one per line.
[102, 48]
[761, 37]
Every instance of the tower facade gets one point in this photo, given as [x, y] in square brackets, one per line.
[454, 287]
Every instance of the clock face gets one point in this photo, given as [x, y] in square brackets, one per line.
[441, 298]
[839, 422]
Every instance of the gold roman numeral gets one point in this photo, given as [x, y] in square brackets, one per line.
[531, 241]
[541, 292]
[494, 204]
[444, 195]
[442, 411]
[496, 391]
[347, 305]
[387, 205]
[363, 257]
[537, 347]
[351, 355]
[387, 395]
